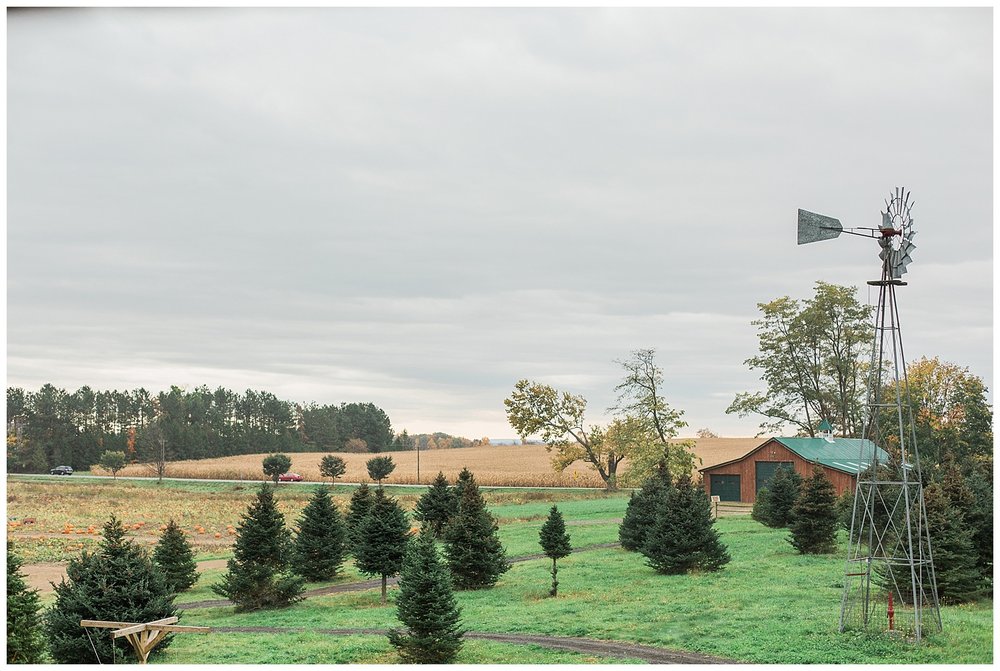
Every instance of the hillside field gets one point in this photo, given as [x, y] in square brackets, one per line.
[768, 605]
[496, 465]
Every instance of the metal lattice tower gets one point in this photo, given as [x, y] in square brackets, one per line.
[889, 580]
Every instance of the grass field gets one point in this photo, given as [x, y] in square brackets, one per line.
[769, 605]
[500, 465]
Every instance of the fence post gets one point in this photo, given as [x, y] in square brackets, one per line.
[715, 506]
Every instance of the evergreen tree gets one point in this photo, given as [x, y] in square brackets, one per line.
[437, 506]
[472, 542]
[980, 520]
[464, 478]
[761, 510]
[259, 575]
[845, 509]
[174, 557]
[958, 578]
[382, 537]
[641, 511]
[25, 644]
[682, 537]
[426, 605]
[555, 543]
[782, 493]
[120, 583]
[358, 509]
[814, 516]
[332, 466]
[319, 545]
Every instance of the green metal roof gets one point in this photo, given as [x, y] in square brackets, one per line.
[825, 426]
[850, 455]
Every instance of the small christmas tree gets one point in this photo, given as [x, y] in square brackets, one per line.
[814, 516]
[319, 545]
[782, 492]
[259, 574]
[24, 621]
[465, 476]
[641, 511]
[958, 578]
[472, 542]
[555, 543]
[682, 538]
[174, 557]
[382, 537]
[437, 506]
[426, 606]
[120, 583]
[357, 511]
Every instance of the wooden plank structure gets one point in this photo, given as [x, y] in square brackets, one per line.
[144, 636]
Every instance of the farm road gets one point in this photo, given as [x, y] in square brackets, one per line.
[363, 585]
[586, 646]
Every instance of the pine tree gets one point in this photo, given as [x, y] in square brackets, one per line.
[437, 506]
[25, 644]
[426, 605]
[472, 542]
[641, 511]
[761, 510]
[382, 537]
[555, 543]
[358, 509]
[782, 493]
[174, 557]
[259, 575]
[814, 516]
[980, 519]
[319, 545]
[958, 578]
[682, 537]
[465, 476]
[120, 583]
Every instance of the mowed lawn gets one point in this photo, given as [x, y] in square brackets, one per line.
[769, 605]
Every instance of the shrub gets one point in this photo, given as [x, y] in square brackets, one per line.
[319, 545]
[555, 542]
[682, 538]
[474, 554]
[174, 557]
[426, 605]
[437, 505]
[25, 644]
[120, 583]
[814, 516]
[259, 574]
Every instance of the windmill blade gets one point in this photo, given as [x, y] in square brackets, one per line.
[815, 227]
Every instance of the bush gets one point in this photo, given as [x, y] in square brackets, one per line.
[426, 605]
[472, 542]
[437, 505]
[25, 644]
[259, 574]
[275, 465]
[174, 557]
[119, 583]
[682, 538]
[319, 545]
[814, 525]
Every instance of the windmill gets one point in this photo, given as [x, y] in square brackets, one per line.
[889, 580]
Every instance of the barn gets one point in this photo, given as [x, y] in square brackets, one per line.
[841, 459]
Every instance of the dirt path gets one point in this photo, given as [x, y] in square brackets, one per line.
[586, 646]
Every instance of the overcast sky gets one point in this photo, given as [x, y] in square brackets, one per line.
[417, 208]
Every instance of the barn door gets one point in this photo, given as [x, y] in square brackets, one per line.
[726, 487]
[766, 471]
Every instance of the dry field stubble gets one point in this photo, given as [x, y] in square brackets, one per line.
[499, 465]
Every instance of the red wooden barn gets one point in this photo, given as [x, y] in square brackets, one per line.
[841, 460]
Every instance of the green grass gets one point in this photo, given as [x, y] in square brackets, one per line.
[769, 605]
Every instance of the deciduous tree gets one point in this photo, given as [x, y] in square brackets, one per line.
[379, 468]
[332, 467]
[112, 462]
[275, 465]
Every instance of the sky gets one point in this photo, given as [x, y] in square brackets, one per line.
[418, 208]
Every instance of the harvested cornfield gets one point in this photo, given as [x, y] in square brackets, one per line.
[499, 465]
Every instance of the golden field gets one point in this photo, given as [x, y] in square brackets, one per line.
[499, 465]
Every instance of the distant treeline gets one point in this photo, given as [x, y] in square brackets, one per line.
[51, 426]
